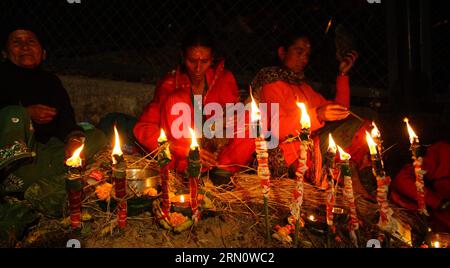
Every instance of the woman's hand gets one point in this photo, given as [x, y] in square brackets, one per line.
[332, 112]
[347, 62]
[41, 114]
[208, 159]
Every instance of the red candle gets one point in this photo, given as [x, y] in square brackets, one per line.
[120, 183]
[194, 174]
[164, 159]
[419, 172]
[74, 186]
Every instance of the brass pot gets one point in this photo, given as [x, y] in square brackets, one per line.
[139, 180]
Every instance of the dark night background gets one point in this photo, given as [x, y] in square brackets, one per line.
[403, 69]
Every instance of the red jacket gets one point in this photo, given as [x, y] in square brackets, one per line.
[288, 94]
[176, 88]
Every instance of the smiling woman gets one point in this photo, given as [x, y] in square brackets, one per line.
[36, 120]
[24, 49]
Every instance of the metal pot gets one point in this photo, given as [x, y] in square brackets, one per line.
[139, 180]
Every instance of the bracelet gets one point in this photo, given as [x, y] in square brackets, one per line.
[77, 138]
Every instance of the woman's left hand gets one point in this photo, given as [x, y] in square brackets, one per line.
[348, 61]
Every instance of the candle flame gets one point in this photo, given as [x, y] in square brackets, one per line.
[412, 135]
[162, 136]
[194, 143]
[343, 155]
[329, 25]
[255, 113]
[371, 143]
[331, 144]
[305, 121]
[116, 150]
[312, 218]
[436, 244]
[375, 133]
[182, 199]
[75, 160]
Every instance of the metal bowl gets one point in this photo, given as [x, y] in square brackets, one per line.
[139, 180]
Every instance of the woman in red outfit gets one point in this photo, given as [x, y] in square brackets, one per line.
[196, 76]
[436, 163]
[286, 85]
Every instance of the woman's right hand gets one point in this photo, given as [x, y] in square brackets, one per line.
[332, 112]
[41, 114]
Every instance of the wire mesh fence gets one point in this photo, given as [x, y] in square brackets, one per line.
[440, 42]
[139, 40]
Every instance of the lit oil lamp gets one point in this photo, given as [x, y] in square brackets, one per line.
[417, 157]
[74, 186]
[305, 122]
[349, 199]
[439, 240]
[330, 165]
[194, 167]
[119, 178]
[164, 159]
[383, 181]
[262, 157]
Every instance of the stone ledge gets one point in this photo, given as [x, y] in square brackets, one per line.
[93, 98]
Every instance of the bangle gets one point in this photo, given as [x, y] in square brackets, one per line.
[77, 138]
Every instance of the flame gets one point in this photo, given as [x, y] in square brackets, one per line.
[375, 132]
[305, 121]
[329, 25]
[312, 218]
[412, 135]
[371, 143]
[343, 155]
[331, 144]
[194, 143]
[162, 136]
[181, 198]
[117, 150]
[436, 244]
[255, 113]
[75, 160]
